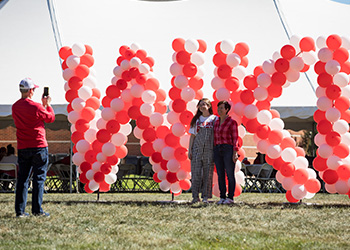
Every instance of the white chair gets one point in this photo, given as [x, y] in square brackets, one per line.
[8, 182]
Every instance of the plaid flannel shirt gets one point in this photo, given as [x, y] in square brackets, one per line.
[226, 133]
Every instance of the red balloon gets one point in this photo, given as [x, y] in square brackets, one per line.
[324, 127]
[149, 134]
[186, 117]
[162, 131]
[301, 175]
[82, 125]
[99, 177]
[217, 47]
[244, 61]
[161, 95]
[155, 178]
[202, 45]
[96, 93]
[282, 65]
[142, 54]
[103, 135]
[77, 136]
[87, 189]
[123, 49]
[345, 115]
[319, 163]
[334, 42]
[82, 71]
[224, 71]
[85, 166]
[93, 102]
[341, 55]
[88, 113]
[178, 44]
[97, 146]
[345, 67]
[134, 112]
[157, 157]
[307, 44]
[129, 53]
[195, 83]
[252, 125]
[64, 52]
[143, 122]
[247, 97]
[82, 178]
[113, 126]
[121, 152]
[141, 78]
[185, 184]
[288, 52]
[320, 67]
[343, 172]
[171, 140]
[126, 75]
[263, 131]
[180, 154]
[87, 60]
[113, 160]
[179, 105]
[290, 197]
[288, 142]
[312, 185]
[75, 83]
[160, 107]
[219, 59]
[277, 163]
[330, 176]
[287, 169]
[134, 72]
[319, 115]
[341, 150]
[163, 164]
[262, 105]
[275, 136]
[106, 102]
[189, 70]
[232, 83]
[249, 82]
[274, 90]
[324, 80]
[90, 156]
[120, 59]
[279, 78]
[258, 70]
[241, 49]
[152, 84]
[333, 92]
[342, 103]
[305, 68]
[175, 93]
[106, 168]
[183, 57]
[104, 186]
[171, 177]
[112, 91]
[71, 94]
[150, 61]
[121, 84]
[300, 151]
[122, 117]
[333, 138]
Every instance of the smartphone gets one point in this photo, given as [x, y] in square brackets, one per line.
[46, 91]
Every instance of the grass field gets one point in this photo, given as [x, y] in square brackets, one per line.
[151, 221]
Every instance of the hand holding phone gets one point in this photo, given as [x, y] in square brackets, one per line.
[46, 91]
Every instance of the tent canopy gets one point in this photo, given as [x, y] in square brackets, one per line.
[28, 44]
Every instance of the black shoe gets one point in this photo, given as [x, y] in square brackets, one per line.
[43, 214]
[22, 215]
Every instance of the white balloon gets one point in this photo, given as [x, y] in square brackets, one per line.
[321, 42]
[135, 62]
[101, 157]
[341, 126]
[268, 66]
[78, 49]
[325, 151]
[296, 63]
[320, 91]
[239, 72]
[223, 94]
[82, 146]
[277, 124]
[68, 74]
[78, 158]
[158, 145]
[191, 45]
[345, 42]
[324, 103]
[85, 92]
[78, 104]
[136, 90]
[184, 140]
[264, 80]
[107, 114]
[125, 129]
[198, 58]
[176, 69]
[164, 185]
[309, 57]
[233, 60]
[325, 55]
[251, 111]
[333, 162]
[73, 116]
[118, 71]
[341, 79]
[289, 155]
[110, 178]
[147, 109]
[156, 119]
[332, 67]
[217, 83]
[73, 61]
[108, 149]
[333, 114]
[260, 93]
[188, 94]
[117, 104]
[149, 96]
[181, 81]
[96, 166]
[90, 81]
[118, 139]
[144, 68]
[227, 46]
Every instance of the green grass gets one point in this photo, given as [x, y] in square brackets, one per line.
[151, 221]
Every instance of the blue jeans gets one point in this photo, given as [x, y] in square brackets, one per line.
[223, 154]
[36, 160]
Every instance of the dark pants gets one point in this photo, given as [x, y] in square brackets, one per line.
[223, 154]
[36, 160]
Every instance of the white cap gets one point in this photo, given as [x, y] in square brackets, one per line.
[27, 83]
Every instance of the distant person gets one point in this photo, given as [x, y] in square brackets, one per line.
[29, 118]
[200, 151]
[225, 151]
[245, 161]
[260, 158]
[10, 156]
[2, 152]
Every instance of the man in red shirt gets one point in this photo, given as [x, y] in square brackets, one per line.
[29, 118]
[225, 151]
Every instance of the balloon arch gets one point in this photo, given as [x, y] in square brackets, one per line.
[99, 137]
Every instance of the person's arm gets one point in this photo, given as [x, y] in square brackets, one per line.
[235, 141]
[190, 146]
[46, 113]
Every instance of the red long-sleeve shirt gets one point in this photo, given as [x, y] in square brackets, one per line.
[29, 118]
[226, 133]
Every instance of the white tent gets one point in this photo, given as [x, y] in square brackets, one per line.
[31, 30]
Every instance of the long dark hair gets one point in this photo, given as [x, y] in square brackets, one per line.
[199, 113]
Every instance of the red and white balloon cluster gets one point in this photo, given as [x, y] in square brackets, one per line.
[172, 166]
[83, 108]
[230, 61]
[333, 114]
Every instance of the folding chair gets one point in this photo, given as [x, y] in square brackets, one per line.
[268, 183]
[7, 180]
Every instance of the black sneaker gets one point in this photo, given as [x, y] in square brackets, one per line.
[43, 214]
[22, 215]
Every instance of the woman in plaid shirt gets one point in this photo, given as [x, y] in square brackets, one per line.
[225, 151]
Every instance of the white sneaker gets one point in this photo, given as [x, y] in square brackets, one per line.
[205, 200]
[228, 201]
[221, 201]
[195, 200]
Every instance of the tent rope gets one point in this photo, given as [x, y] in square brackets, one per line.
[288, 32]
[54, 25]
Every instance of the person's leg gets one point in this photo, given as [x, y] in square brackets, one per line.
[196, 175]
[208, 168]
[230, 169]
[220, 168]
[40, 162]
[24, 168]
